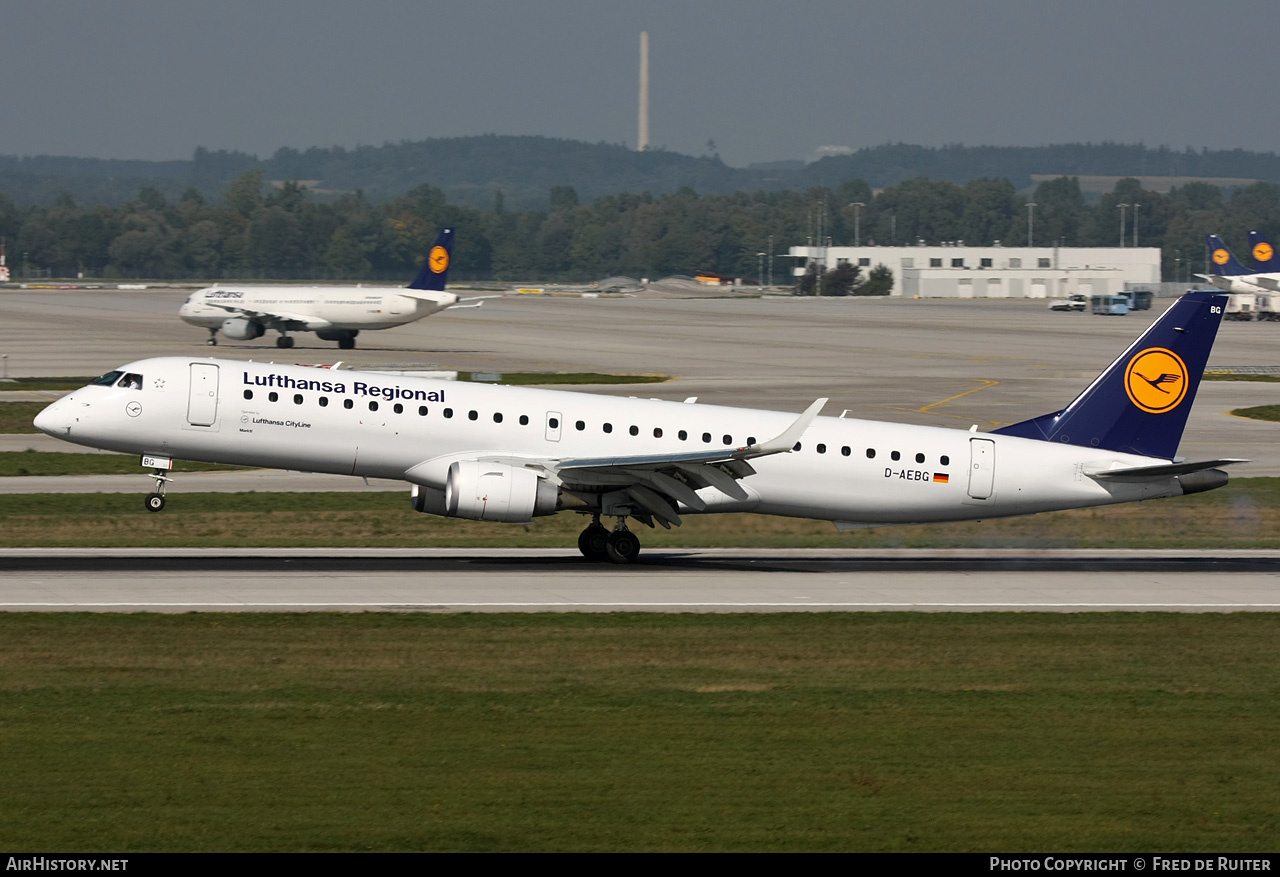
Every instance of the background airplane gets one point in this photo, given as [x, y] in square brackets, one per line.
[1231, 276]
[508, 454]
[335, 313]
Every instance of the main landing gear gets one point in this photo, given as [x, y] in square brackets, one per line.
[284, 342]
[597, 544]
[213, 338]
[155, 501]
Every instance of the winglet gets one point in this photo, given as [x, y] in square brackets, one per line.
[787, 440]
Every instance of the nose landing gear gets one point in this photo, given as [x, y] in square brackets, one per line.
[155, 501]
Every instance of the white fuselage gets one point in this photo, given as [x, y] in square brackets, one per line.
[363, 424]
[311, 308]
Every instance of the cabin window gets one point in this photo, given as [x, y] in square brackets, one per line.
[682, 435]
[347, 403]
[751, 440]
[822, 449]
[895, 456]
[497, 417]
[324, 401]
[273, 396]
[846, 451]
[657, 432]
[422, 410]
[553, 422]
[248, 394]
[608, 427]
[871, 453]
[919, 458]
[472, 415]
[634, 430]
[373, 406]
[706, 438]
[580, 426]
[524, 419]
[728, 439]
[107, 380]
[448, 412]
[945, 460]
[297, 398]
[398, 408]
[797, 447]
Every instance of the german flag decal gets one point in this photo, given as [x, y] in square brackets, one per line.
[940, 478]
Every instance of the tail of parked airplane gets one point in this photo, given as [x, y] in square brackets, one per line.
[1140, 403]
[1263, 253]
[435, 268]
[1224, 263]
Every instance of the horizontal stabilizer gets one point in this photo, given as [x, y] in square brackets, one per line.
[1163, 470]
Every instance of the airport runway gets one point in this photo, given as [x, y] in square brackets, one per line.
[696, 580]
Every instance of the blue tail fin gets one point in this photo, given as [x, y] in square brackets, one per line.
[1224, 263]
[1263, 253]
[435, 268]
[1139, 405]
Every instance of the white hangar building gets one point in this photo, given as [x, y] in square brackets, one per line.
[958, 271]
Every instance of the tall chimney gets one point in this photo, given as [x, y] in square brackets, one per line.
[643, 141]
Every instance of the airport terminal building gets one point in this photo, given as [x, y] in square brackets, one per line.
[957, 271]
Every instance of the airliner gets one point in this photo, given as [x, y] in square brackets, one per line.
[510, 454]
[1231, 276]
[337, 313]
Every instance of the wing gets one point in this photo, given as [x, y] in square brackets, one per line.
[653, 484]
[274, 319]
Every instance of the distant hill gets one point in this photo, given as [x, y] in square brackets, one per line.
[473, 170]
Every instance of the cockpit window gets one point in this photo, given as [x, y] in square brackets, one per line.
[107, 380]
[131, 381]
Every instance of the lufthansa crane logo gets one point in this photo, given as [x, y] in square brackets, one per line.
[1221, 256]
[1156, 380]
[439, 260]
[1262, 252]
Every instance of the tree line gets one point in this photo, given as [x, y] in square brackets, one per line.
[282, 232]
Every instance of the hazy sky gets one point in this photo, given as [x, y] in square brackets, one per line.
[765, 80]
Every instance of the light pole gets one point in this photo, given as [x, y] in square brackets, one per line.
[1135, 224]
[1122, 208]
[771, 261]
[857, 227]
[1031, 210]
[760, 274]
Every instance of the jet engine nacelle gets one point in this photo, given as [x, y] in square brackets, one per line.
[488, 492]
[241, 329]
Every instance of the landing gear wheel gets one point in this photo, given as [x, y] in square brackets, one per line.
[346, 343]
[622, 546]
[212, 342]
[593, 542]
[155, 502]
[284, 342]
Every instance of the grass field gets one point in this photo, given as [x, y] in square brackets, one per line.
[843, 732]
[1244, 514]
[16, 417]
[1259, 412]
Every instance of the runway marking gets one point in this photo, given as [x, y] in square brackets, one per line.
[986, 382]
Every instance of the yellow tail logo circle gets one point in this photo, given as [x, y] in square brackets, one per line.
[1263, 252]
[1221, 256]
[1156, 380]
[439, 260]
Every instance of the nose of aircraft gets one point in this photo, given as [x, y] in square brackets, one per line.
[54, 420]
